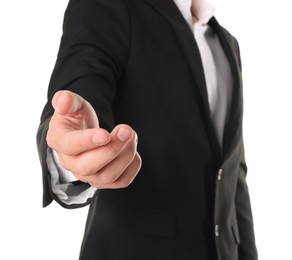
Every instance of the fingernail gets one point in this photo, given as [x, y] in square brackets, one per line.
[124, 134]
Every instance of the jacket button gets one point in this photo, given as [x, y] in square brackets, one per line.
[217, 230]
[219, 176]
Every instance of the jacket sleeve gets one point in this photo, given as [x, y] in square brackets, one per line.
[91, 60]
[247, 247]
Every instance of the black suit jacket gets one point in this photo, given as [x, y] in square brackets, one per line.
[136, 62]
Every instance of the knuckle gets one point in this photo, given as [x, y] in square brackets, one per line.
[107, 178]
[130, 151]
[125, 182]
[137, 161]
[132, 147]
[81, 169]
[65, 148]
[62, 148]
[112, 150]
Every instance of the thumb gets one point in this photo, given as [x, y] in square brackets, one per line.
[67, 103]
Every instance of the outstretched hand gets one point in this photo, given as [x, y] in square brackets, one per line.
[93, 155]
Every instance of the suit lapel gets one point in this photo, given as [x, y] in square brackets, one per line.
[233, 123]
[171, 13]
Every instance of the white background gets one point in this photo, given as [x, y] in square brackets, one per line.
[30, 32]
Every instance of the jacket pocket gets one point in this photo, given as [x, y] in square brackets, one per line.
[235, 231]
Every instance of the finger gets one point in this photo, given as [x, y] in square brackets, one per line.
[72, 143]
[126, 178]
[112, 171]
[66, 102]
[92, 161]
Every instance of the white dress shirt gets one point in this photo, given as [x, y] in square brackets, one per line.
[219, 82]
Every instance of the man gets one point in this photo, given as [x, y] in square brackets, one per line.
[164, 72]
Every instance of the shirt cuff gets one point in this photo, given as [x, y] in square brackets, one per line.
[62, 182]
